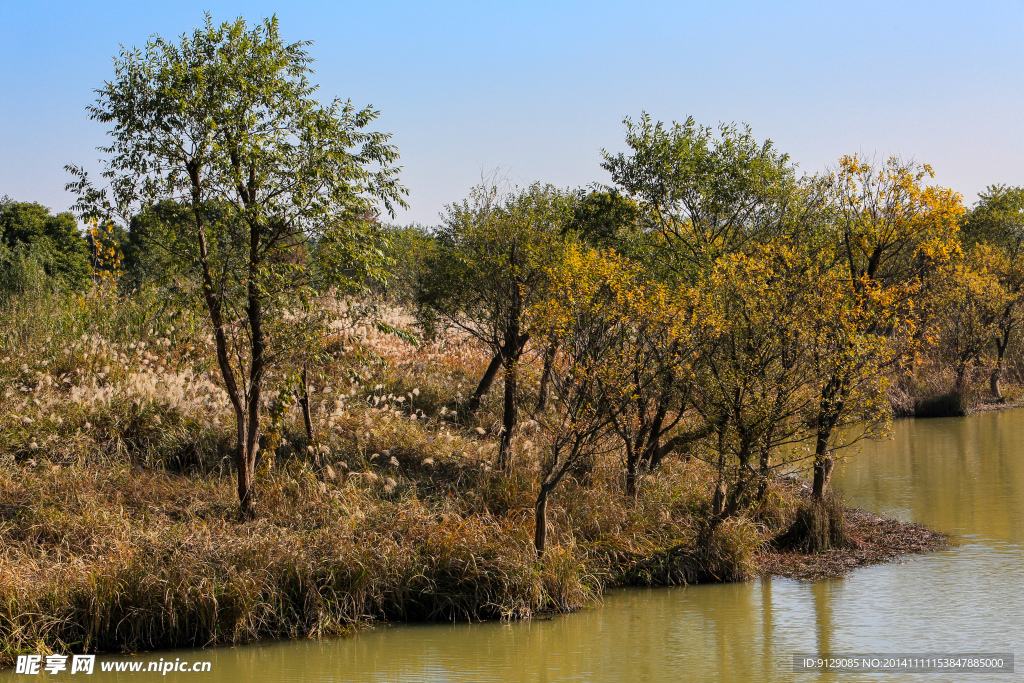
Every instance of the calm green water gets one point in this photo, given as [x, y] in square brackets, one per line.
[960, 475]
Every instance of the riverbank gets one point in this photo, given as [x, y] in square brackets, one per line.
[119, 523]
[875, 539]
[112, 558]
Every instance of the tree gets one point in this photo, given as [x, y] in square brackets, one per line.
[701, 195]
[888, 230]
[487, 271]
[224, 122]
[705, 194]
[969, 304]
[619, 355]
[759, 321]
[997, 220]
[53, 240]
[595, 305]
[891, 226]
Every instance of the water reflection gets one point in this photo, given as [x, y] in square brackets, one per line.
[960, 475]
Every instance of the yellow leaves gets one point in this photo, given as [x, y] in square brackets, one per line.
[893, 218]
[965, 302]
[106, 257]
[589, 283]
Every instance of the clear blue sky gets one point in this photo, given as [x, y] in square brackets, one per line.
[539, 88]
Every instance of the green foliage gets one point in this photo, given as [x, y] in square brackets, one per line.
[31, 237]
[998, 219]
[21, 271]
[490, 259]
[267, 156]
[488, 270]
[707, 193]
[410, 249]
[608, 219]
[158, 249]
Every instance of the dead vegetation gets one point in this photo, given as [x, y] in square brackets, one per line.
[120, 530]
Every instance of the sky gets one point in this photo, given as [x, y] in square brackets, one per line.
[538, 89]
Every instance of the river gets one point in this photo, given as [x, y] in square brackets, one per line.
[961, 475]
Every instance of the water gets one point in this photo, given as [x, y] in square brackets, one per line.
[964, 476]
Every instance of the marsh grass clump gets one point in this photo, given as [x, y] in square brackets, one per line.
[100, 560]
[934, 391]
[107, 556]
[949, 404]
[819, 525]
[778, 506]
[714, 552]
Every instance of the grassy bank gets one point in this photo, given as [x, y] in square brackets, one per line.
[112, 558]
[118, 511]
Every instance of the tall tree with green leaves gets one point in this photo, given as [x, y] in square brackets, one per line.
[705, 193]
[225, 122]
[694, 195]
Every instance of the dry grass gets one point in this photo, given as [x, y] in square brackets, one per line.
[118, 522]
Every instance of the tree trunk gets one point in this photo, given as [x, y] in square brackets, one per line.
[307, 418]
[830, 409]
[513, 349]
[823, 464]
[551, 479]
[653, 446]
[632, 475]
[257, 346]
[485, 382]
[822, 476]
[997, 393]
[960, 383]
[540, 534]
[718, 500]
[246, 499]
[213, 300]
[764, 469]
[508, 417]
[545, 377]
[997, 372]
[682, 442]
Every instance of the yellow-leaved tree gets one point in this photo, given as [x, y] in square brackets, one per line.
[888, 230]
[967, 299]
[997, 221]
[602, 313]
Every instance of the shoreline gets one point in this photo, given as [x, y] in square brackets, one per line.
[877, 540]
[989, 406]
[163, 562]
